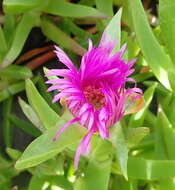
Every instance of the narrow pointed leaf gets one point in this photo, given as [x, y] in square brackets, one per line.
[3, 46]
[112, 32]
[139, 168]
[24, 126]
[21, 6]
[44, 148]
[168, 134]
[153, 52]
[15, 72]
[66, 9]
[121, 149]
[30, 114]
[59, 37]
[105, 7]
[97, 175]
[167, 25]
[46, 115]
[22, 31]
[135, 135]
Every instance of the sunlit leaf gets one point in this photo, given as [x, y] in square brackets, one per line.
[30, 114]
[105, 6]
[66, 9]
[22, 31]
[100, 171]
[44, 148]
[13, 153]
[167, 24]
[135, 135]
[15, 72]
[121, 150]
[168, 134]
[59, 37]
[139, 168]
[112, 32]
[46, 115]
[21, 6]
[154, 54]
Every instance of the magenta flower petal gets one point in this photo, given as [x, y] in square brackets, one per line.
[64, 58]
[96, 93]
[64, 127]
[83, 147]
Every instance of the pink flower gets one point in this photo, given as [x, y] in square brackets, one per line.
[95, 93]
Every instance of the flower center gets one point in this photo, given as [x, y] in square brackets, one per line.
[94, 96]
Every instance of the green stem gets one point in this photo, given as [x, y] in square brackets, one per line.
[7, 130]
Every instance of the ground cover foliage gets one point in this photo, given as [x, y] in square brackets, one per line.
[139, 155]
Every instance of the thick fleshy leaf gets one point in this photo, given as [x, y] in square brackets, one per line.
[167, 184]
[9, 27]
[66, 9]
[30, 114]
[61, 182]
[167, 133]
[37, 182]
[22, 31]
[99, 166]
[100, 149]
[47, 96]
[13, 89]
[24, 126]
[154, 54]
[46, 115]
[139, 168]
[54, 166]
[97, 175]
[21, 6]
[4, 94]
[73, 28]
[13, 153]
[135, 135]
[167, 25]
[15, 72]
[121, 150]
[113, 31]
[3, 46]
[59, 37]
[44, 148]
[105, 6]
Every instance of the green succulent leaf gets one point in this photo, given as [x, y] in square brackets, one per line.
[113, 31]
[21, 6]
[155, 55]
[44, 148]
[121, 149]
[66, 9]
[22, 31]
[166, 134]
[15, 72]
[46, 115]
[135, 135]
[100, 171]
[167, 25]
[58, 36]
[30, 114]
